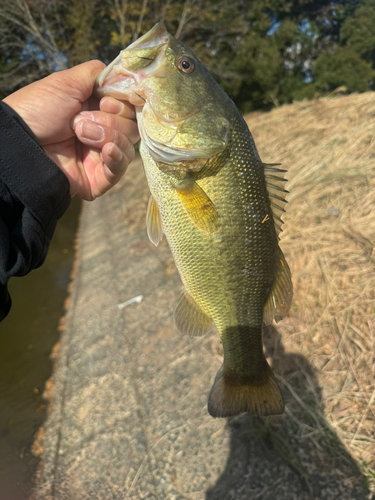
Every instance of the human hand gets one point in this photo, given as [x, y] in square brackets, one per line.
[91, 142]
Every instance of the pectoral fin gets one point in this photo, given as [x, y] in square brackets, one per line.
[198, 205]
[153, 222]
[189, 317]
[280, 297]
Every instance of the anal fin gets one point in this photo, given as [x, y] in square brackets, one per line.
[153, 222]
[198, 205]
[189, 317]
[280, 297]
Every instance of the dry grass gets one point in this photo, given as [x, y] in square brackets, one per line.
[328, 147]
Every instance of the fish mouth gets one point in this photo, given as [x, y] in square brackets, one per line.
[124, 77]
[156, 36]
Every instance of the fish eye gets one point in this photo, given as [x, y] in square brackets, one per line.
[186, 65]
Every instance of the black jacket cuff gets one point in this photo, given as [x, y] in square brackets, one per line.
[32, 177]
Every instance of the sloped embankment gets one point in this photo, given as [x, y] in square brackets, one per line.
[328, 148]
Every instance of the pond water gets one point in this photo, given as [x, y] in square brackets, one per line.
[27, 337]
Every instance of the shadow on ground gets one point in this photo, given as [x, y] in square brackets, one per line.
[294, 456]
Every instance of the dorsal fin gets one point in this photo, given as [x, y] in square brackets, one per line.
[275, 186]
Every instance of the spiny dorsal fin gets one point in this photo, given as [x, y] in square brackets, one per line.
[153, 222]
[280, 298]
[189, 317]
[275, 186]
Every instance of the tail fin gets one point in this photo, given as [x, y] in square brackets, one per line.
[230, 397]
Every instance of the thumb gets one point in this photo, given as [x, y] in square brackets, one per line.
[80, 79]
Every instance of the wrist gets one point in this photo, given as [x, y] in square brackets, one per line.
[13, 101]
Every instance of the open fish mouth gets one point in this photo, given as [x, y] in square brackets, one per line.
[125, 76]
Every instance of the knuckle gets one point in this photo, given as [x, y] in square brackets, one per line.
[104, 119]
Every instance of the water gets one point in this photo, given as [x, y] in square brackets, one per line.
[27, 336]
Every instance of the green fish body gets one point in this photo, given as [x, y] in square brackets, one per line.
[219, 207]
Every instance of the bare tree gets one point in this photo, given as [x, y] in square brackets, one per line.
[40, 31]
[185, 15]
[140, 19]
[120, 18]
[32, 35]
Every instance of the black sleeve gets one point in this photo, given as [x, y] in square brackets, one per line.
[34, 194]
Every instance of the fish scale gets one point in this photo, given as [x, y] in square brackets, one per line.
[218, 206]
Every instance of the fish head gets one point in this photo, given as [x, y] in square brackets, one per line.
[180, 107]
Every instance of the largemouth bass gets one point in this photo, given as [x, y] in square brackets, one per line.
[219, 206]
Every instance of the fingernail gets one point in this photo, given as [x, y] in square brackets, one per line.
[92, 131]
[110, 105]
[115, 153]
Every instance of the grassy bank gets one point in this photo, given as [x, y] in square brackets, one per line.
[324, 351]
